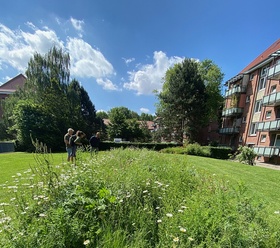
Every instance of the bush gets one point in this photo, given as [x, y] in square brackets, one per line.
[246, 155]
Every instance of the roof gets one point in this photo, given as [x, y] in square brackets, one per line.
[257, 61]
[13, 84]
[263, 56]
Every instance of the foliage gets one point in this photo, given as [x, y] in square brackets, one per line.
[102, 115]
[48, 104]
[125, 125]
[190, 98]
[147, 200]
[246, 155]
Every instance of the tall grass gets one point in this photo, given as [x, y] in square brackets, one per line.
[133, 198]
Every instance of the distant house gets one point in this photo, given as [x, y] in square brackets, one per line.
[9, 88]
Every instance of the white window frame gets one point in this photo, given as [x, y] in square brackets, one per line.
[253, 129]
[273, 89]
[248, 98]
[258, 106]
[262, 83]
[268, 114]
[244, 119]
[263, 137]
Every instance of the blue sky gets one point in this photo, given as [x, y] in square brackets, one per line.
[120, 50]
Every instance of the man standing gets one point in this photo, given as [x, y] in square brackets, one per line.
[67, 143]
[94, 142]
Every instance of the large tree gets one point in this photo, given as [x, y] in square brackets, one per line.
[182, 102]
[48, 104]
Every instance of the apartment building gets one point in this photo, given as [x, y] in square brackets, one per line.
[251, 114]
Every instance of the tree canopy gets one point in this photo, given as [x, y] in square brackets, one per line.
[189, 98]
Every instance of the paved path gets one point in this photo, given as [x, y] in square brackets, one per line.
[269, 166]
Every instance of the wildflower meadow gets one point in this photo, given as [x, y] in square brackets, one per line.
[132, 198]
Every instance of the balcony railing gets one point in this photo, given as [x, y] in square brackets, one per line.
[235, 90]
[267, 151]
[272, 99]
[268, 125]
[274, 72]
[232, 111]
[229, 130]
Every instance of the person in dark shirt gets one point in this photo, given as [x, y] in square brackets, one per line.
[94, 143]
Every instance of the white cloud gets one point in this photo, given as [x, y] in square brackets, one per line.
[87, 61]
[149, 77]
[144, 110]
[78, 25]
[18, 46]
[128, 61]
[106, 84]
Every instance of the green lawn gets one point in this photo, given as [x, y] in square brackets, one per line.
[262, 183]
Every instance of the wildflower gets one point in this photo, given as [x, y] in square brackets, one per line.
[190, 239]
[169, 215]
[183, 229]
[157, 208]
[176, 239]
[145, 191]
[277, 212]
[159, 221]
[23, 213]
[42, 215]
[180, 211]
[183, 207]
[86, 242]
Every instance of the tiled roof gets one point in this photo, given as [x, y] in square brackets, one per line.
[263, 56]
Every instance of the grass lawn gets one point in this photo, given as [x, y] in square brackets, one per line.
[262, 183]
[137, 198]
[18, 162]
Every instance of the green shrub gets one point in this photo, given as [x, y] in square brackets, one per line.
[246, 155]
[220, 152]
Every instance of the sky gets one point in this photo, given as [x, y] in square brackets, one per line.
[120, 50]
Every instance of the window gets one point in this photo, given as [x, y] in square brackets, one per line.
[240, 139]
[244, 119]
[268, 114]
[262, 83]
[258, 106]
[264, 71]
[278, 113]
[273, 89]
[253, 129]
[263, 137]
[248, 98]
[252, 76]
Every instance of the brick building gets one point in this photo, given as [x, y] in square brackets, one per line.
[9, 88]
[251, 114]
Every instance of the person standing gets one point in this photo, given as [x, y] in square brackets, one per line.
[67, 137]
[94, 142]
[75, 141]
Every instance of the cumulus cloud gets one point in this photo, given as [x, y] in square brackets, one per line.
[107, 84]
[87, 61]
[144, 110]
[18, 46]
[149, 77]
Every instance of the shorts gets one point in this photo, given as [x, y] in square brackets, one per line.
[69, 150]
[73, 151]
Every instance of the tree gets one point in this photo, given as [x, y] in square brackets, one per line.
[182, 101]
[146, 117]
[102, 115]
[48, 104]
[212, 77]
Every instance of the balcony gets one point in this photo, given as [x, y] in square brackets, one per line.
[272, 99]
[229, 130]
[235, 90]
[274, 72]
[267, 151]
[269, 126]
[232, 112]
